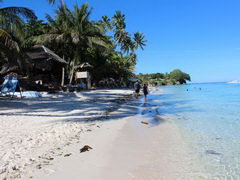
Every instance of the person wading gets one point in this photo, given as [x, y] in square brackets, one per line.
[137, 88]
[145, 91]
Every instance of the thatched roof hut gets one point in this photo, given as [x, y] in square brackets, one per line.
[45, 62]
[42, 58]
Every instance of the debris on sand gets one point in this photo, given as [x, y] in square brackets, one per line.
[85, 148]
[144, 122]
[69, 154]
[213, 152]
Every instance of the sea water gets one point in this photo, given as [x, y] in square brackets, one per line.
[209, 117]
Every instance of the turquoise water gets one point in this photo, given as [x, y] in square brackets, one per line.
[209, 117]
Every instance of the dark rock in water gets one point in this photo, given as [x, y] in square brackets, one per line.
[85, 148]
[213, 152]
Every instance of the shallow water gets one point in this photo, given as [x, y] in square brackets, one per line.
[209, 117]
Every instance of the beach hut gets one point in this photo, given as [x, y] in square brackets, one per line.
[47, 67]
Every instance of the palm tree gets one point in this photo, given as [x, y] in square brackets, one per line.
[11, 21]
[139, 41]
[7, 41]
[123, 38]
[76, 30]
[106, 22]
[120, 34]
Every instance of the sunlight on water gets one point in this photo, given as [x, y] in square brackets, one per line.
[209, 116]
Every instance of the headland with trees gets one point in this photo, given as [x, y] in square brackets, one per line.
[175, 77]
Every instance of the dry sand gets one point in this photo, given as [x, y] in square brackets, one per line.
[41, 139]
[33, 132]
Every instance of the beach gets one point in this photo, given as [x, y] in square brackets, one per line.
[41, 138]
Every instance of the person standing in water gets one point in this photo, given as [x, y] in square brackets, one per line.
[137, 88]
[145, 91]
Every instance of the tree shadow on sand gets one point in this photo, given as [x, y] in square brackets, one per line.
[72, 107]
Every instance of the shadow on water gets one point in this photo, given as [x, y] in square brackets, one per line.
[151, 113]
[157, 120]
[164, 104]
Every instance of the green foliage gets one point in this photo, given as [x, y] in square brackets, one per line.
[32, 29]
[73, 35]
[179, 76]
[12, 20]
[173, 78]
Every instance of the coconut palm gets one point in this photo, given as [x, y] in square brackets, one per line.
[120, 35]
[76, 30]
[123, 38]
[139, 41]
[106, 22]
[7, 41]
[11, 22]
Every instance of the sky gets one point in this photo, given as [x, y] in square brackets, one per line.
[200, 37]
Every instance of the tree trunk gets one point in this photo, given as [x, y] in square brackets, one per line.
[63, 74]
[62, 3]
[72, 72]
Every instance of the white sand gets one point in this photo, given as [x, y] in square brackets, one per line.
[33, 132]
[123, 147]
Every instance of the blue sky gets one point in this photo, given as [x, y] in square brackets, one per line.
[200, 37]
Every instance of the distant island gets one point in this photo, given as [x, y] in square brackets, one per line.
[175, 77]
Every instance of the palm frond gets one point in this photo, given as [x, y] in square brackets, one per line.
[7, 41]
[139, 40]
[45, 38]
[20, 11]
[98, 41]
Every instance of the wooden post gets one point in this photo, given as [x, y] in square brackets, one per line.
[63, 74]
[89, 81]
[72, 71]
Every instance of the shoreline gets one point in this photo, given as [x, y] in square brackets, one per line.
[122, 145]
